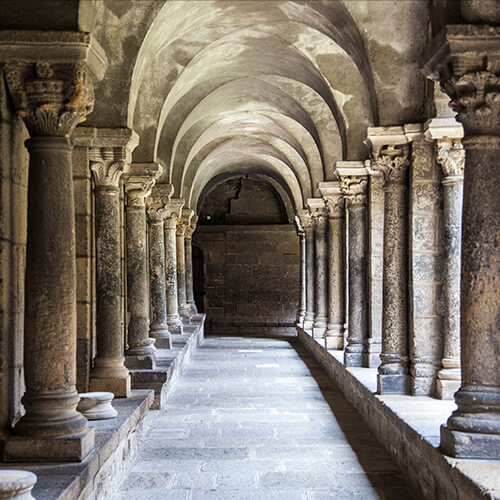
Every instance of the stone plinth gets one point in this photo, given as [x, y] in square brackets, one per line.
[466, 61]
[110, 157]
[334, 202]
[52, 96]
[96, 405]
[353, 184]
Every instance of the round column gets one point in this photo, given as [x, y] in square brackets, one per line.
[156, 208]
[40, 92]
[301, 311]
[188, 250]
[321, 267]
[393, 371]
[334, 337]
[354, 190]
[109, 373]
[468, 74]
[140, 352]
[307, 223]
[451, 156]
[173, 319]
[181, 271]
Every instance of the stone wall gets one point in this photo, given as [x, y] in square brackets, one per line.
[13, 217]
[251, 276]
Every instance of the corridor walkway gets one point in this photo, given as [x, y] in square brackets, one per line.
[256, 418]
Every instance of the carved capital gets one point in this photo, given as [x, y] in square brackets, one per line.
[298, 225]
[157, 202]
[320, 218]
[192, 227]
[139, 182]
[450, 154]
[334, 200]
[354, 189]
[465, 59]
[306, 219]
[393, 162]
[108, 165]
[51, 98]
[173, 213]
[184, 221]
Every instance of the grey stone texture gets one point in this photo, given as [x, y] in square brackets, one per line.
[188, 249]
[354, 184]
[257, 418]
[182, 225]
[110, 156]
[252, 276]
[391, 157]
[138, 185]
[335, 206]
[473, 430]
[301, 310]
[425, 279]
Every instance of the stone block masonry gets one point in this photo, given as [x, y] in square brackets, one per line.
[252, 275]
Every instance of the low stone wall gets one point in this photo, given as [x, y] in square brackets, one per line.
[434, 474]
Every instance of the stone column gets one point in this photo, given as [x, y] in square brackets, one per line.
[182, 225]
[466, 60]
[109, 158]
[353, 184]
[52, 97]
[308, 225]
[174, 210]
[138, 185]
[451, 157]
[334, 201]
[188, 246]
[301, 311]
[391, 157]
[320, 218]
[157, 205]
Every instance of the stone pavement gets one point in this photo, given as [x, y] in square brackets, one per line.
[256, 418]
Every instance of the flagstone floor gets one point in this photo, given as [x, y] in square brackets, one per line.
[256, 418]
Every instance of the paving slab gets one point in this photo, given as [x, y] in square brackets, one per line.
[256, 418]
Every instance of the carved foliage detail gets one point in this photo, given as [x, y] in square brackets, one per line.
[306, 219]
[138, 188]
[335, 206]
[108, 165]
[51, 98]
[354, 189]
[450, 155]
[393, 162]
[475, 97]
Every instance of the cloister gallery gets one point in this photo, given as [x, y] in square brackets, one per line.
[250, 249]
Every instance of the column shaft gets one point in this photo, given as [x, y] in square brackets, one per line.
[173, 319]
[188, 251]
[301, 311]
[181, 274]
[310, 279]
[321, 250]
[358, 307]
[50, 295]
[140, 352]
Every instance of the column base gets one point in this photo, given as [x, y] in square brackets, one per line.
[175, 325]
[192, 308]
[445, 389]
[353, 358]
[470, 445]
[73, 448]
[308, 324]
[371, 356]
[334, 341]
[318, 332]
[161, 334]
[140, 362]
[120, 387]
[393, 384]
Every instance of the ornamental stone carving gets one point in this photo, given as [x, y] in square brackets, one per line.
[354, 189]
[306, 219]
[51, 98]
[108, 164]
[335, 206]
[450, 154]
[298, 225]
[192, 227]
[173, 213]
[393, 162]
[157, 202]
[466, 61]
[139, 182]
[184, 221]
